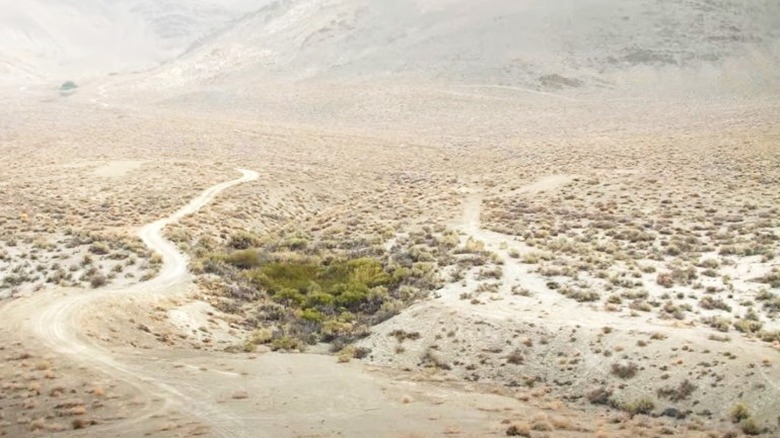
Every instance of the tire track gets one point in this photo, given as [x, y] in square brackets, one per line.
[56, 323]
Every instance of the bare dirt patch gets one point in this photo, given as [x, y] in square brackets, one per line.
[117, 169]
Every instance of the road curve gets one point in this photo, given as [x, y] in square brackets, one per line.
[55, 322]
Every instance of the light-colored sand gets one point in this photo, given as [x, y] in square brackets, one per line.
[117, 169]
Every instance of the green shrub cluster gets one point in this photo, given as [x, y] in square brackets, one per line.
[306, 299]
[319, 289]
[301, 288]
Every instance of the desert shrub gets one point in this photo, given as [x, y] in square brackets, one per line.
[768, 336]
[68, 88]
[749, 426]
[361, 352]
[772, 278]
[533, 258]
[739, 412]
[665, 280]
[402, 335]
[98, 280]
[430, 359]
[635, 294]
[683, 276]
[286, 343]
[709, 263]
[294, 243]
[258, 337]
[243, 240]
[346, 354]
[13, 280]
[541, 424]
[312, 299]
[762, 295]
[624, 370]
[516, 357]
[643, 406]
[519, 430]
[600, 396]
[710, 303]
[487, 273]
[520, 291]
[579, 295]
[344, 284]
[773, 305]
[471, 247]
[676, 311]
[709, 273]
[747, 325]
[678, 393]
[718, 323]
[244, 258]
[640, 305]
[99, 248]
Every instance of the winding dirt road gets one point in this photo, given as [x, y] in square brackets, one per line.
[192, 392]
[56, 322]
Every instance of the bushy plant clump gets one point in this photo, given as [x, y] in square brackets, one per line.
[305, 298]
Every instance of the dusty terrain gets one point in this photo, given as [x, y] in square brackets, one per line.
[313, 224]
[496, 339]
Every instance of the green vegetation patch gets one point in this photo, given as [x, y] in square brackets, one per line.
[298, 299]
[344, 285]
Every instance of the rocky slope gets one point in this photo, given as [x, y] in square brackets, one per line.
[566, 45]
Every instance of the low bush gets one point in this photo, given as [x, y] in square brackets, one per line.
[739, 412]
[98, 280]
[643, 406]
[710, 303]
[679, 392]
[600, 396]
[749, 426]
[306, 298]
[624, 370]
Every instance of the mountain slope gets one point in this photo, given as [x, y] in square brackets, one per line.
[45, 39]
[548, 44]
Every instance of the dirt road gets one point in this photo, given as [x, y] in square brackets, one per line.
[57, 322]
[185, 392]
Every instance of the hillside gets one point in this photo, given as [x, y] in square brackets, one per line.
[45, 39]
[590, 43]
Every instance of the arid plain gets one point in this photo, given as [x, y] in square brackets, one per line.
[402, 256]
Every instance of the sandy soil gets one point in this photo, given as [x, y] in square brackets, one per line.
[56, 322]
[553, 190]
[179, 392]
[563, 342]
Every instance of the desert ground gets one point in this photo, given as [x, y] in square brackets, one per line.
[209, 248]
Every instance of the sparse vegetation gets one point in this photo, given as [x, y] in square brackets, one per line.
[739, 412]
[642, 406]
[306, 294]
[677, 393]
[587, 257]
[624, 370]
